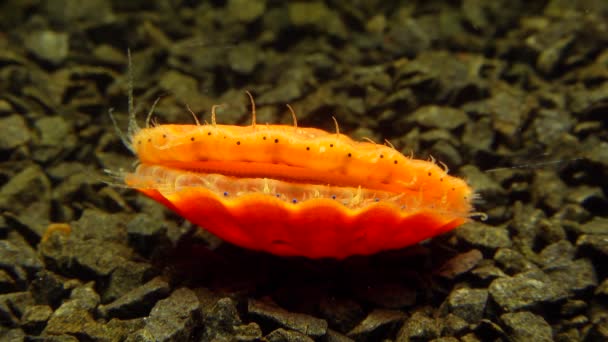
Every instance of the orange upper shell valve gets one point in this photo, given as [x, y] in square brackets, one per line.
[295, 191]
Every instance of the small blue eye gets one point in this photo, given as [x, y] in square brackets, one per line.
[294, 200]
[377, 200]
[225, 193]
[333, 196]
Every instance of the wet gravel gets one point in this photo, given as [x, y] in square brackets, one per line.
[511, 95]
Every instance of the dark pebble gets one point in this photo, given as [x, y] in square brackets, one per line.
[303, 323]
[137, 302]
[460, 264]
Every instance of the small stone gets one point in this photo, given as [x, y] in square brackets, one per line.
[512, 261]
[525, 290]
[7, 283]
[126, 277]
[248, 332]
[221, 319]
[573, 307]
[50, 46]
[453, 325]
[13, 305]
[557, 254]
[342, 314]
[303, 323]
[439, 117]
[34, 318]
[14, 256]
[145, 233]
[597, 243]
[377, 319]
[56, 137]
[483, 236]
[29, 186]
[468, 304]
[183, 87]
[243, 58]
[526, 326]
[14, 133]
[283, 335]
[246, 11]
[334, 336]
[602, 289]
[576, 276]
[597, 225]
[418, 327]
[137, 302]
[389, 295]
[50, 288]
[488, 272]
[460, 264]
[174, 318]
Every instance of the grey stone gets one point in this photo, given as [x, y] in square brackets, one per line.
[173, 318]
[418, 327]
[7, 283]
[376, 320]
[439, 117]
[247, 332]
[126, 277]
[29, 186]
[145, 233]
[246, 10]
[512, 261]
[284, 335]
[341, 314]
[453, 325]
[525, 290]
[483, 236]
[576, 276]
[56, 138]
[137, 302]
[557, 254]
[34, 318]
[468, 304]
[526, 326]
[13, 305]
[14, 133]
[303, 323]
[597, 225]
[50, 46]
[597, 243]
[22, 255]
